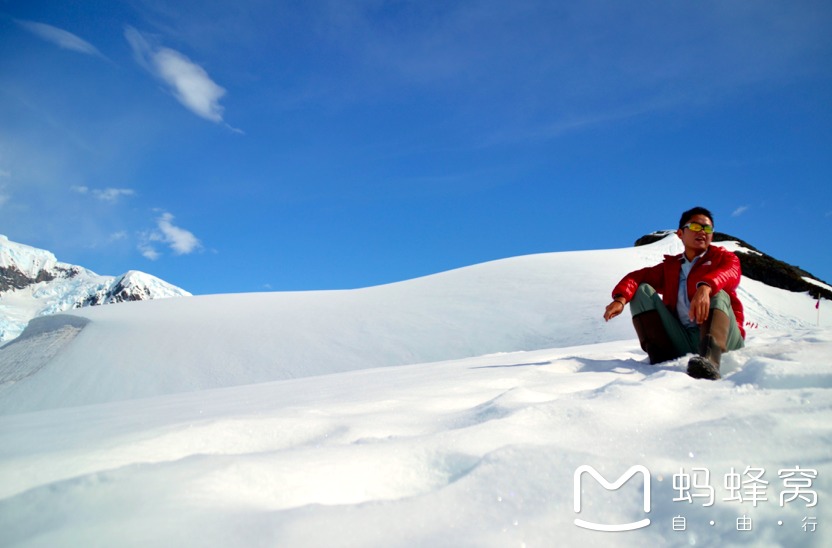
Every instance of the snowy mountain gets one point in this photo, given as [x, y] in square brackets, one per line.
[452, 410]
[34, 283]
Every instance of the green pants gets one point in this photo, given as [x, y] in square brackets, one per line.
[685, 339]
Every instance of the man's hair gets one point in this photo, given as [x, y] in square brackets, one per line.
[695, 211]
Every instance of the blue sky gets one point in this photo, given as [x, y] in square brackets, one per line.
[282, 145]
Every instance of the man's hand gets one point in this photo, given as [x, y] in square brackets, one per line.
[700, 304]
[613, 309]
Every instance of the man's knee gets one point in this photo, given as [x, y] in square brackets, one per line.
[721, 301]
[643, 300]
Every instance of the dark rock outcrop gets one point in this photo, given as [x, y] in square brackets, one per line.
[761, 267]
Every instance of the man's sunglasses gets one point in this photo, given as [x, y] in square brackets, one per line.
[696, 227]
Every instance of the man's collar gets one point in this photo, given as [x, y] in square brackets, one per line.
[684, 258]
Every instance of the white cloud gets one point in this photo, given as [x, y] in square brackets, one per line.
[179, 240]
[149, 252]
[739, 211]
[112, 194]
[106, 195]
[60, 37]
[191, 84]
[188, 81]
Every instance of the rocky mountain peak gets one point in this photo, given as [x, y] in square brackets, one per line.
[34, 283]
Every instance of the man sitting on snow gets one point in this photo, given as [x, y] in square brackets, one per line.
[698, 311]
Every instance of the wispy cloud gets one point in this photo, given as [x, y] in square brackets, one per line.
[119, 236]
[179, 240]
[148, 251]
[739, 211]
[111, 195]
[61, 38]
[189, 82]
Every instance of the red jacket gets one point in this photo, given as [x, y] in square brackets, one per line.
[718, 268]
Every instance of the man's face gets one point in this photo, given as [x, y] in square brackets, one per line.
[697, 242]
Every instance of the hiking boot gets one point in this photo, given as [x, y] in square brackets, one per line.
[712, 343]
[705, 366]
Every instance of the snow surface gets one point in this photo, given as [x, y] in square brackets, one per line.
[451, 410]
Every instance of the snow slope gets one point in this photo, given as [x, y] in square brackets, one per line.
[157, 347]
[312, 419]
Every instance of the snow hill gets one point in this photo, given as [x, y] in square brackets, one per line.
[34, 283]
[450, 410]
